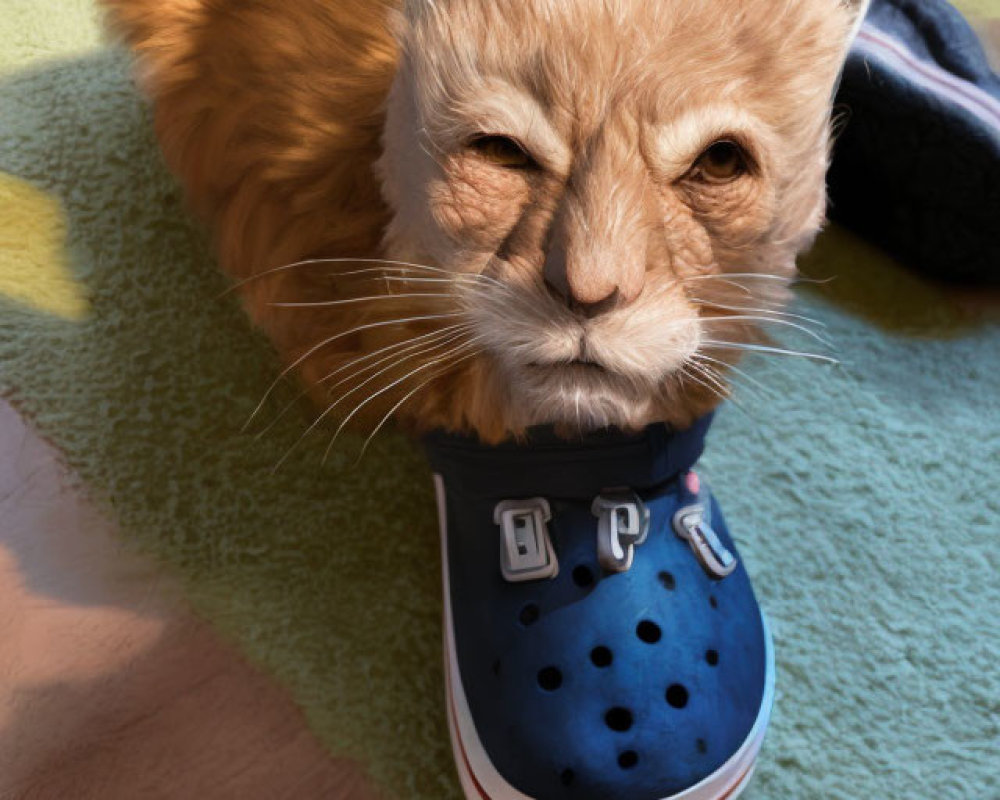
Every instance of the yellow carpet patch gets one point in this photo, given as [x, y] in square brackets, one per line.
[981, 8]
[34, 267]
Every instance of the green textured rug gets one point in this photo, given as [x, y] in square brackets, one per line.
[866, 498]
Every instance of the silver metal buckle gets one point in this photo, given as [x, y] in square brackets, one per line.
[623, 524]
[692, 524]
[526, 551]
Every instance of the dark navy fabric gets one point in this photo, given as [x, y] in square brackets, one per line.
[545, 464]
[913, 170]
[527, 650]
[936, 32]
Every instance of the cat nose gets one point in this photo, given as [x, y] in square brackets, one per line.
[587, 309]
[590, 292]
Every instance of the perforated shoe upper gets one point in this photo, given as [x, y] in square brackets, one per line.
[636, 684]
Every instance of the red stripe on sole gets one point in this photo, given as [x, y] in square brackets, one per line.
[458, 741]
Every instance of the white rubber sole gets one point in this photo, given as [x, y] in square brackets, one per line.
[479, 778]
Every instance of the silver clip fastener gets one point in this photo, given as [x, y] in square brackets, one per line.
[622, 525]
[526, 551]
[692, 524]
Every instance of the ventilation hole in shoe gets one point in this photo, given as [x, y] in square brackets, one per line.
[677, 695]
[529, 614]
[712, 601]
[550, 678]
[628, 759]
[582, 576]
[712, 657]
[566, 777]
[667, 581]
[648, 631]
[701, 746]
[601, 656]
[618, 719]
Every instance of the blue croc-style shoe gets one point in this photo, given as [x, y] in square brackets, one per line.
[602, 639]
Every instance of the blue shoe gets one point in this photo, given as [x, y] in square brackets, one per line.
[602, 639]
[916, 168]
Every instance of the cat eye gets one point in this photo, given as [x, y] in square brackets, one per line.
[502, 151]
[721, 162]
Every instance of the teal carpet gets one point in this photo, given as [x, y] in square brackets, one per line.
[865, 497]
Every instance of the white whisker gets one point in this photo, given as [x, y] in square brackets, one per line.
[711, 389]
[406, 397]
[441, 342]
[725, 365]
[750, 309]
[401, 275]
[734, 284]
[357, 329]
[329, 409]
[759, 348]
[723, 397]
[721, 276]
[764, 276]
[386, 264]
[421, 279]
[771, 321]
[394, 349]
[384, 389]
[370, 298]
[713, 377]
[702, 360]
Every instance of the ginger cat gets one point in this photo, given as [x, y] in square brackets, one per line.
[483, 214]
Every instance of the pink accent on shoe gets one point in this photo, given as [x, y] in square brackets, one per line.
[693, 482]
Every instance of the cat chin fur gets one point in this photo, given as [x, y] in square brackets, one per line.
[284, 170]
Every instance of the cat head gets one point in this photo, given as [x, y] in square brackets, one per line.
[607, 177]
[483, 215]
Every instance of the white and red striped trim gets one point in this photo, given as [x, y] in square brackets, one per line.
[879, 46]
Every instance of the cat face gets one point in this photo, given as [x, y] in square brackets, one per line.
[604, 180]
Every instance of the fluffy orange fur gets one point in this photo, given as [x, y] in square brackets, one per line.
[583, 284]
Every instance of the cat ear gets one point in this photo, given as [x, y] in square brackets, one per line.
[857, 9]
